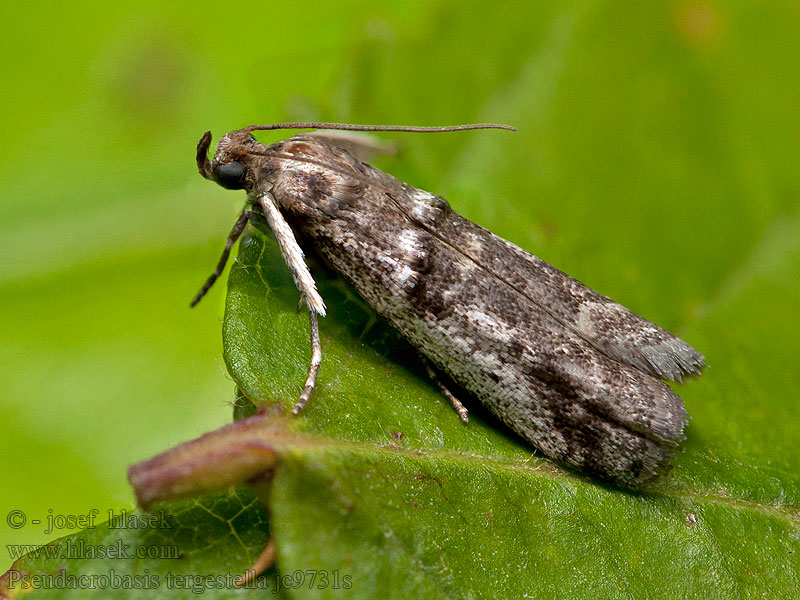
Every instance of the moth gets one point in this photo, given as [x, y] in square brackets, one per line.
[572, 372]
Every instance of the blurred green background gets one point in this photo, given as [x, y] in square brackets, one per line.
[657, 160]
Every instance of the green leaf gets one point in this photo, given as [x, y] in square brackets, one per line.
[177, 551]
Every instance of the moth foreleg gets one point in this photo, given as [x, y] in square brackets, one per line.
[292, 253]
[455, 402]
[234, 235]
[316, 359]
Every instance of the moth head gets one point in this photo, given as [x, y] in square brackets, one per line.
[227, 168]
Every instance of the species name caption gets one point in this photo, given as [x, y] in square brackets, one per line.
[572, 372]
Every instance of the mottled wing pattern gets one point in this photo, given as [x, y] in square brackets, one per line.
[607, 325]
[565, 367]
[613, 329]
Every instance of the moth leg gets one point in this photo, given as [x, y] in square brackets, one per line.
[316, 359]
[264, 561]
[460, 408]
[292, 253]
[237, 230]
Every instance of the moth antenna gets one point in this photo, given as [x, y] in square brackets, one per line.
[203, 164]
[353, 127]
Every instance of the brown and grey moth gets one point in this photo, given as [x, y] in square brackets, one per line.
[572, 372]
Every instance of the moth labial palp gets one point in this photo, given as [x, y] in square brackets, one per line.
[574, 373]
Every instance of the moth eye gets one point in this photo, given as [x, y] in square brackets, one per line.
[230, 175]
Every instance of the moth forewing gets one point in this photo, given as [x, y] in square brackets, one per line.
[571, 371]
